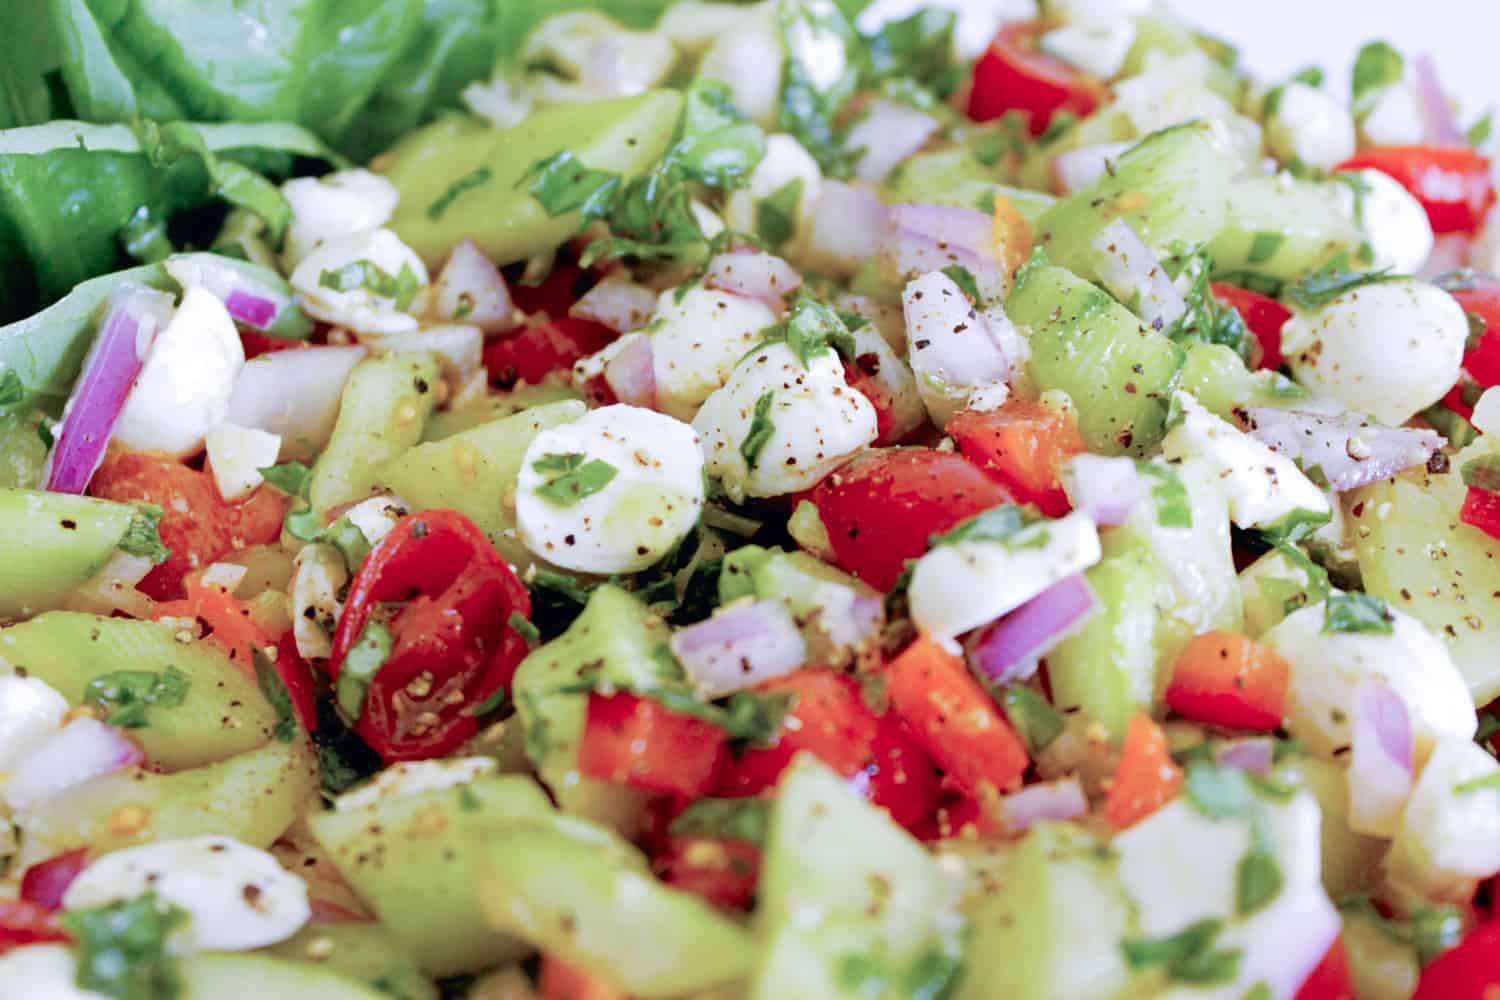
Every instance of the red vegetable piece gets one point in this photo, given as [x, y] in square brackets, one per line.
[23, 923]
[1263, 316]
[1468, 971]
[637, 742]
[1453, 183]
[1022, 445]
[45, 882]
[1330, 980]
[1482, 509]
[1014, 74]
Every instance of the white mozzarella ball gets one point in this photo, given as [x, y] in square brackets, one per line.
[44, 972]
[612, 492]
[239, 897]
[953, 348]
[1326, 668]
[785, 163]
[1311, 126]
[319, 576]
[697, 336]
[805, 421]
[1394, 222]
[334, 206]
[370, 301]
[184, 389]
[1389, 349]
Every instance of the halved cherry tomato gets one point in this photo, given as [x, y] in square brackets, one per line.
[724, 872]
[197, 524]
[45, 882]
[955, 720]
[1482, 509]
[23, 923]
[1330, 980]
[1227, 679]
[635, 741]
[1468, 971]
[446, 597]
[828, 718]
[1147, 777]
[297, 677]
[1479, 295]
[1264, 317]
[880, 509]
[1453, 183]
[1015, 74]
[1022, 444]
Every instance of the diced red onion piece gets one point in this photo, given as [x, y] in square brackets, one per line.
[83, 749]
[248, 301]
[1048, 801]
[848, 225]
[45, 882]
[924, 238]
[1380, 759]
[1131, 272]
[887, 132]
[294, 393]
[1008, 650]
[1078, 168]
[1255, 754]
[631, 373]
[616, 302]
[755, 275]
[133, 318]
[470, 289]
[740, 646]
[1106, 489]
[1442, 127]
[1351, 450]
[250, 310]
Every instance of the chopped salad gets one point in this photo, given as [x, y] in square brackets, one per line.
[799, 499]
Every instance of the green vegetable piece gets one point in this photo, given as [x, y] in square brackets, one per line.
[743, 819]
[125, 695]
[1376, 67]
[68, 539]
[1118, 372]
[366, 952]
[24, 443]
[401, 287]
[1034, 718]
[1050, 929]
[474, 471]
[360, 665]
[1325, 285]
[1356, 613]
[761, 429]
[1188, 955]
[1381, 967]
[143, 537]
[220, 713]
[253, 797]
[776, 213]
[122, 950]
[626, 136]
[447, 423]
[381, 412]
[415, 860]
[1174, 509]
[473, 179]
[571, 477]
[1282, 229]
[959, 178]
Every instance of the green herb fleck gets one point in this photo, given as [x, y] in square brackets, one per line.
[472, 179]
[268, 679]
[1377, 66]
[1033, 717]
[1174, 508]
[1257, 877]
[776, 213]
[127, 694]
[143, 536]
[1323, 286]
[761, 429]
[571, 476]
[490, 705]
[467, 800]
[744, 819]
[1491, 780]
[563, 184]
[1483, 473]
[964, 279]
[1188, 955]
[748, 716]
[361, 664]
[288, 477]
[1357, 614]
[1479, 133]
[402, 287]
[121, 948]
[525, 629]
[1010, 525]
[1264, 246]
[1218, 792]
[12, 391]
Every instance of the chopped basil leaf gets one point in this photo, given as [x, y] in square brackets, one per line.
[472, 179]
[964, 279]
[1323, 286]
[490, 705]
[1478, 134]
[1188, 955]
[1207, 319]
[1459, 432]
[303, 523]
[811, 329]
[1218, 792]
[12, 391]
[761, 429]
[1483, 473]
[1032, 716]
[1312, 76]
[750, 717]
[1174, 508]
[1377, 66]
[718, 146]
[557, 599]
[289, 477]
[1264, 246]
[44, 431]
[744, 819]
[1008, 524]
[776, 213]
[918, 48]
[402, 287]
[571, 477]
[563, 184]
[1257, 877]
[525, 629]
[344, 759]
[127, 694]
[268, 679]
[349, 539]
[1294, 527]
[808, 111]
[360, 665]
[143, 537]
[1357, 614]
[1475, 784]
[121, 948]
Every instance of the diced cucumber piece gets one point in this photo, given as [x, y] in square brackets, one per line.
[1266, 587]
[844, 889]
[360, 950]
[1380, 966]
[23, 453]
[1052, 929]
[617, 639]
[67, 540]
[1118, 373]
[228, 976]
[1108, 668]
[1282, 228]
[818, 596]
[1415, 553]
[415, 860]
[581, 893]
[254, 798]
[1170, 187]
[956, 177]
[1349, 861]
[222, 711]
[447, 423]
[474, 472]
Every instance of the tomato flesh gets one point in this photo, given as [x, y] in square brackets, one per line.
[635, 741]
[1015, 75]
[1482, 509]
[1453, 183]
[1331, 979]
[1468, 971]
[880, 509]
[1264, 317]
[724, 872]
[24, 923]
[1022, 445]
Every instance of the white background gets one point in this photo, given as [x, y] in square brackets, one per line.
[1278, 37]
